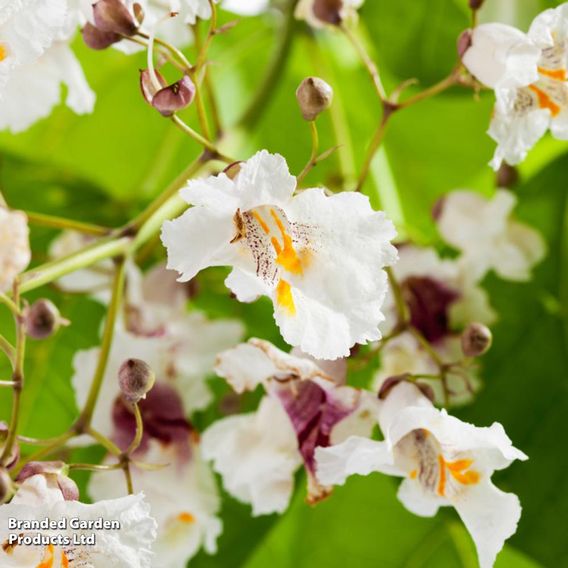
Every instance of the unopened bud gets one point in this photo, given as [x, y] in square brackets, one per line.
[113, 16]
[476, 4]
[314, 96]
[42, 319]
[139, 14]
[6, 486]
[507, 176]
[390, 383]
[464, 42]
[168, 99]
[328, 11]
[97, 39]
[136, 379]
[56, 473]
[233, 170]
[476, 340]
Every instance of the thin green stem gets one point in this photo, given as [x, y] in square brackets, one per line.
[401, 307]
[200, 139]
[8, 350]
[56, 444]
[105, 442]
[108, 335]
[51, 271]
[269, 83]
[95, 467]
[9, 304]
[135, 444]
[61, 223]
[372, 150]
[369, 64]
[8, 384]
[314, 153]
[451, 80]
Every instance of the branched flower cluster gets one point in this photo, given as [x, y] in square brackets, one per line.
[346, 294]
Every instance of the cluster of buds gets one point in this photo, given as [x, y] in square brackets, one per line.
[113, 21]
[56, 474]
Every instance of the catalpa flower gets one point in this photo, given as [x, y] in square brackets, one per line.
[257, 454]
[128, 547]
[441, 294]
[35, 61]
[528, 73]
[182, 494]
[15, 254]
[318, 13]
[319, 258]
[487, 235]
[444, 462]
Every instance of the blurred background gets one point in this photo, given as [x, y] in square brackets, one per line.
[107, 166]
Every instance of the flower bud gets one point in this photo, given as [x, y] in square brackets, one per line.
[476, 4]
[233, 170]
[507, 176]
[464, 42]
[314, 96]
[328, 11]
[114, 17]
[139, 13]
[136, 379]
[56, 473]
[42, 319]
[476, 340]
[169, 98]
[6, 486]
[390, 383]
[97, 39]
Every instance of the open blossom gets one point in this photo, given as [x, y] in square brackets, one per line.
[36, 500]
[487, 235]
[182, 494]
[528, 73]
[257, 454]
[319, 258]
[35, 61]
[318, 13]
[15, 252]
[441, 294]
[444, 462]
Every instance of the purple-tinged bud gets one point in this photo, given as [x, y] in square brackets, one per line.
[438, 208]
[476, 340]
[114, 17]
[14, 456]
[139, 13]
[314, 96]
[464, 42]
[136, 379]
[56, 473]
[6, 486]
[233, 170]
[390, 383]
[476, 4]
[507, 176]
[42, 319]
[328, 11]
[174, 97]
[169, 98]
[97, 39]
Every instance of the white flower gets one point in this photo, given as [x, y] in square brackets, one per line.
[15, 252]
[445, 462]
[489, 239]
[35, 61]
[183, 498]
[248, 8]
[318, 13]
[528, 73]
[403, 354]
[319, 258]
[441, 294]
[129, 547]
[257, 454]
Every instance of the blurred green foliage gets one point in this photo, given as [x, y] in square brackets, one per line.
[107, 166]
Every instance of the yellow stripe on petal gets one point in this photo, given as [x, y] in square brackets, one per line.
[544, 101]
[3, 51]
[284, 297]
[49, 557]
[559, 74]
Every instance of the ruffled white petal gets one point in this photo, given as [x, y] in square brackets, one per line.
[502, 56]
[491, 517]
[418, 501]
[15, 254]
[356, 455]
[256, 455]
